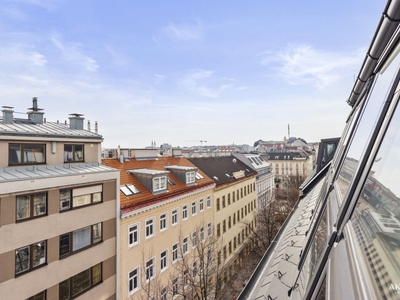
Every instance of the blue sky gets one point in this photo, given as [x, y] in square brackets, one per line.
[183, 71]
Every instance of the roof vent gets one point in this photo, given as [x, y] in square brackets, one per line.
[35, 114]
[76, 121]
[8, 114]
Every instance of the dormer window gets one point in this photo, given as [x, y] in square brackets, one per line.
[159, 183]
[190, 177]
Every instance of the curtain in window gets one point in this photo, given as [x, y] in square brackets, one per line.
[81, 238]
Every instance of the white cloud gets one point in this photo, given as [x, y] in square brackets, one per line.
[183, 32]
[302, 64]
[49, 5]
[72, 53]
[19, 55]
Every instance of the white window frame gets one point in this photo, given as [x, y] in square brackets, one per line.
[185, 245]
[194, 239]
[194, 208]
[209, 229]
[202, 234]
[175, 253]
[164, 260]
[132, 233]
[174, 216]
[161, 182]
[164, 220]
[185, 212]
[130, 279]
[201, 204]
[190, 177]
[175, 287]
[149, 225]
[208, 202]
[153, 266]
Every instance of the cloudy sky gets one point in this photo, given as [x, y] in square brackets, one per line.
[183, 71]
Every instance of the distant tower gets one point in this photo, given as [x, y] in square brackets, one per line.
[288, 131]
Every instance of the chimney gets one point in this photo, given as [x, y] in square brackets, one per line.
[7, 114]
[95, 127]
[76, 121]
[35, 114]
[88, 125]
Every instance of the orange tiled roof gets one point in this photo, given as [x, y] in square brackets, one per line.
[146, 197]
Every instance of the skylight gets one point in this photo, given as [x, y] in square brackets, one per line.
[129, 190]
[171, 182]
[199, 176]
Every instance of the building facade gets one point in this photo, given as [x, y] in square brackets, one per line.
[58, 208]
[166, 225]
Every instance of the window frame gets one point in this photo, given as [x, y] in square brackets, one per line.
[161, 181]
[190, 177]
[131, 280]
[98, 193]
[201, 205]
[185, 212]
[151, 267]
[164, 260]
[149, 227]
[194, 208]
[132, 233]
[31, 206]
[163, 221]
[208, 202]
[74, 153]
[22, 154]
[174, 216]
[30, 258]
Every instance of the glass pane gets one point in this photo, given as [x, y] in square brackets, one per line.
[376, 217]
[80, 282]
[40, 296]
[96, 233]
[65, 199]
[22, 259]
[68, 153]
[96, 274]
[64, 244]
[14, 154]
[39, 204]
[78, 153]
[64, 290]
[38, 254]
[367, 123]
[23, 207]
[81, 200]
[34, 153]
[81, 238]
[96, 197]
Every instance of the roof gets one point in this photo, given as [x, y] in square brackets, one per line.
[23, 128]
[46, 171]
[146, 197]
[286, 155]
[222, 169]
[255, 161]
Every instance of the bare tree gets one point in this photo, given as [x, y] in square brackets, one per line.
[197, 270]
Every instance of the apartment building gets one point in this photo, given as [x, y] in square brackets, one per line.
[58, 208]
[265, 177]
[235, 200]
[166, 220]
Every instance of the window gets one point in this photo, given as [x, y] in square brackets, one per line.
[234, 219]
[133, 281]
[80, 283]
[164, 260]
[193, 208]
[223, 201]
[73, 198]
[80, 238]
[73, 153]
[229, 199]
[201, 204]
[175, 216]
[184, 212]
[195, 269]
[229, 222]
[202, 234]
[26, 154]
[164, 294]
[185, 277]
[150, 272]
[230, 247]
[31, 206]
[133, 234]
[194, 239]
[218, 204]
[223, 226]
[163, 221]
[40, 296]
[233, 197]
[208, 201]
[30, 257]
[209, 229]
[218, 230]
[149, 228]
[175, 253]
[175, 286]
[190, 177]
[159, 183]
[185, 248]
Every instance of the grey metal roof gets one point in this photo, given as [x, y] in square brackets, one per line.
[21, 127]
[46, 171]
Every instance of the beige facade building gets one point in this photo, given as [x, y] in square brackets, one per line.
[235, 200]
[58, 208]
[167, 209]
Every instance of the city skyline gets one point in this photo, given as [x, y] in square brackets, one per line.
[226, 72]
